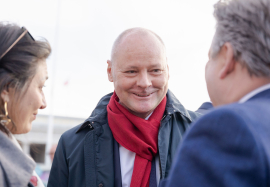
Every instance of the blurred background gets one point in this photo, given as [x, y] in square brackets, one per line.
[81, 34]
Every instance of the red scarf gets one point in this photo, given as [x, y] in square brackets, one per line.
[137, 135]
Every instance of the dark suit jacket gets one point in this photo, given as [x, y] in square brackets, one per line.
[228, 147]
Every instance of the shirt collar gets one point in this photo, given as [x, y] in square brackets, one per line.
[254, 92]
[148, 116]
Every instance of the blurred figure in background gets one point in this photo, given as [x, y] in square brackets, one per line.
[44, 174]
[229, 147]
[23, 72]
[52, 151]
[131, 137]
[205, 108]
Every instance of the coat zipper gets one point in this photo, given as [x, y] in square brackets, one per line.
[163, 117]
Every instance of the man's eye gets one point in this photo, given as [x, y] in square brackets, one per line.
[156, 70]
[131, 71]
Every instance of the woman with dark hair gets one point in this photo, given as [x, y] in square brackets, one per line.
[23, 72]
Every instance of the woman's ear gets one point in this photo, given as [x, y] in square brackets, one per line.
[5, 96]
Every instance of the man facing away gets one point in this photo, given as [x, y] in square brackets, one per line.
[230, 146]
[132, 134]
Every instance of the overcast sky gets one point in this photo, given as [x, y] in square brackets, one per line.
[81, 33]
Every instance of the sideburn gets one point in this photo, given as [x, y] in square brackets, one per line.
[18, 94]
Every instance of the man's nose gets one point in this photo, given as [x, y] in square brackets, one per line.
[44, 103]
[144, 80]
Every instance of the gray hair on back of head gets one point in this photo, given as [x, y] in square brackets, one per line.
[245, 24]
[127, 32]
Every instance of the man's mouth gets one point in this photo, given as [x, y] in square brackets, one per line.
[142, 95]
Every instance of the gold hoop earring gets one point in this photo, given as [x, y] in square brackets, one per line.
[5, 118]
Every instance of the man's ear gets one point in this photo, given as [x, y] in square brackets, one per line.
[168, 71]
[109, 70]
[228, 65]
[5, 96]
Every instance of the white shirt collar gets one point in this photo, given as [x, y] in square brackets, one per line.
[254, 92]
[148, 116]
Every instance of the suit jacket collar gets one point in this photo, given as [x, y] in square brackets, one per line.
[262, 95]
[254, 92]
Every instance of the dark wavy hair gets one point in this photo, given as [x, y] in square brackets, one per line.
[19, 65]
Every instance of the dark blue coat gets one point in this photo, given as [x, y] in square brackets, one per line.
[84, 156]
[228, 147]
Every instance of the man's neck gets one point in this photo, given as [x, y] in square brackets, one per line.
[241, 88]
[140, 115]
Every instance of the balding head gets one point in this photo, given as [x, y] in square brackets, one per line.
[135, 35]
[139, 70]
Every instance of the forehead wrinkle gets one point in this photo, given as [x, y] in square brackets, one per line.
[140, 55]
[140, 65]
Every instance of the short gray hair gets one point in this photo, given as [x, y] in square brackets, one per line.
[131, 31]
[245, 24]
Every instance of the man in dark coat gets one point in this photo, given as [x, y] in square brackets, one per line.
[131, 137]
[230, 146]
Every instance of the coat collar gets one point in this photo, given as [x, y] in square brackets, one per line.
[206, 106]
[99, 115]
[174, 106]
[261, 95]
[254, 93]
[17, 166]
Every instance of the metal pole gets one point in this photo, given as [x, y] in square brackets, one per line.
[51, 111]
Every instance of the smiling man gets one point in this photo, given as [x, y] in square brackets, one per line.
[139, 71]
[131, 137]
